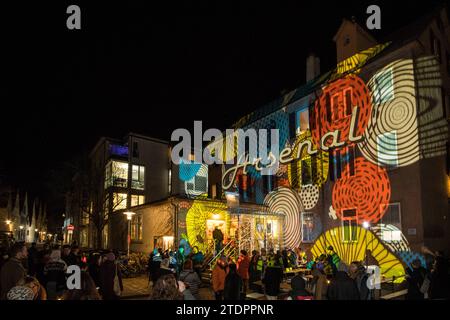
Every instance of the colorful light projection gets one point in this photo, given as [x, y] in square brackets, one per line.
[354, 63]
[407, 121]
[187, 171]
[368, 191]
[197, 217]
[287, 202]
[198, 184]
[408, 258]
[391, 236]
[389, 264]
[309, 194]
[333, 110]
[306, 167]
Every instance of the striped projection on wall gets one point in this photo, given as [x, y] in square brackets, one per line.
[390, 265]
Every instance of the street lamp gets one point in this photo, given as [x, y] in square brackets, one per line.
[129, 215]
[21, 233]
[8, 222]
[366, 225]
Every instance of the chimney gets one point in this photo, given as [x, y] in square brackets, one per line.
[312, 67]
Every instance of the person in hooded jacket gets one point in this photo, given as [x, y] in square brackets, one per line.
[342, 287]
[190, 278]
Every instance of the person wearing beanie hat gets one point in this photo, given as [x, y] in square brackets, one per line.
[20, 293]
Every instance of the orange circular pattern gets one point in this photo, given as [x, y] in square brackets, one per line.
[340, 118]
[368, 191]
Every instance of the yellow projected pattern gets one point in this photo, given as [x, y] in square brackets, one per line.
[196, 221]
[390, 265]
[316, 165]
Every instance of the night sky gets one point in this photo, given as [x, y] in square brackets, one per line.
[150, 69]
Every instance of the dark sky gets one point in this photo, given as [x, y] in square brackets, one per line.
[151, 69]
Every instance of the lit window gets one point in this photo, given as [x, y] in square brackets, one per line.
[170, 181]
[387, 148]
[302, 120]
[105, 236]
[307, 226]
[116, 174]
[349, 225]
[137, 200]
[119, 201]
[383, 87]
[136, 228]
[392, 215]
[138, 177]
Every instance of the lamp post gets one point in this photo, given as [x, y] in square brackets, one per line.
[366, 226]
[21, 231]
[129, 215]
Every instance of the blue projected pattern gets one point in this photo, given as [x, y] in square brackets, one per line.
[118, 150]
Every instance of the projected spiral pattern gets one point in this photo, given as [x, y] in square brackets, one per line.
[368, 191]
[287, 202]
[391, 136]
[330, 111]
[380, 231]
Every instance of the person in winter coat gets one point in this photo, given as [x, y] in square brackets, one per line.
[155, 265]
[55, 275]
[13, 271]
[88, 290]
[108, 271]
[439, 279]
[233, 284]
[219, 274]
[319, 282]
[415, 279]
[94, 269]
[190, 278]
[359, 274]
[168, 288]
[243, 265]
[255, 269]
[342, 287]
[299, 291]
[272, 278]
[32, 259]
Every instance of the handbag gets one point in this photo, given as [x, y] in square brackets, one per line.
[116, 287]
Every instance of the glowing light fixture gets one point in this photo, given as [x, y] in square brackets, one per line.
[8, 222]
[366, 225]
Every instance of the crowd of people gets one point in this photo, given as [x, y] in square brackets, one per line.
[41, 274]
[29, 273]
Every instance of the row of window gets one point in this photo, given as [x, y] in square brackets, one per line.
[116, 175]
[120, 200]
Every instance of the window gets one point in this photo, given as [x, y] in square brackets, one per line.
[118, 150]
[308, 227]
[214, 191]
[170, 181]
[335, 107]
[135, 150]
[302, 121]
[116, 174]
[383, 87]
[84, 238]
[137, 200]
[349, 225]
[138, 177]
[136, 228]
[346, 40]
[105, 233]
[392, 215]
[335, 164]
[119, 201]
[306, 171]
[387, 148]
